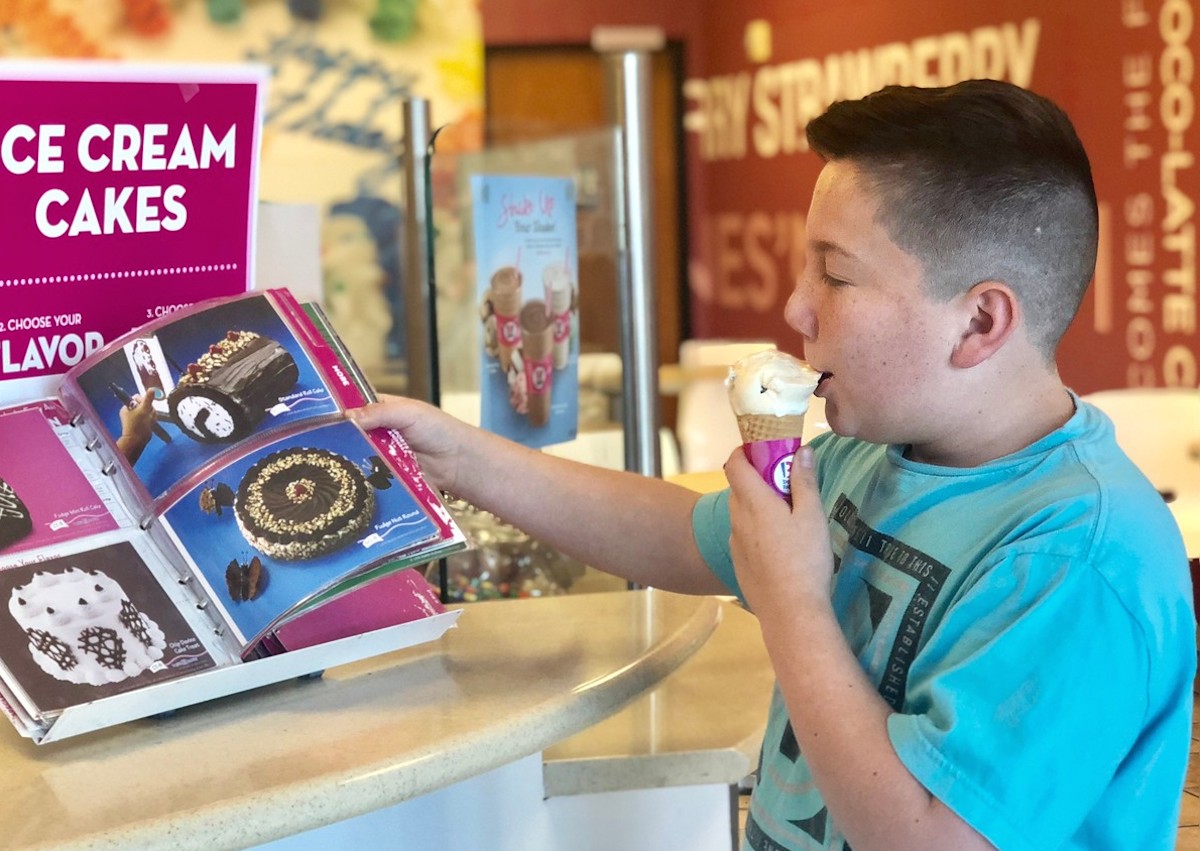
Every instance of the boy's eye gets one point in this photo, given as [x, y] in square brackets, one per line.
[835, 282]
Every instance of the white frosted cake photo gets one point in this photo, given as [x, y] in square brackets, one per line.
[82, 628]
[90, 624]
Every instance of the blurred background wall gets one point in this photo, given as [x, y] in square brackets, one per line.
[733, 87]
[757, 70]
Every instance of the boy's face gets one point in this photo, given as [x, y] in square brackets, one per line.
[860, 305]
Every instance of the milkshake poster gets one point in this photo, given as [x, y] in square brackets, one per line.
[527, 271]
[129, 192]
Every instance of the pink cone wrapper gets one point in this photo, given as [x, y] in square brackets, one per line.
[770, 444]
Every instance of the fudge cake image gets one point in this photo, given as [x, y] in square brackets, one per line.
[302, 503]
[15, 520]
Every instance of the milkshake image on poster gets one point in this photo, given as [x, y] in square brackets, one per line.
[526, 254]
[537, 345]
[506, 307]
[560, 304]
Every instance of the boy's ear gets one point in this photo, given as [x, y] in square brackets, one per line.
[992, 313]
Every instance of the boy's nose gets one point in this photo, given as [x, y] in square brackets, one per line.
[797, 314]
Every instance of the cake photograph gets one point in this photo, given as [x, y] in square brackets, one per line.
[284, 522]
[34, 511]
[173, 400]
[81, 627]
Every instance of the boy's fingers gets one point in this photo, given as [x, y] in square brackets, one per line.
[804, 477]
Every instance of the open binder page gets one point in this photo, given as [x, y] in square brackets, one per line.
[81, 501]
[194, 501]
[398, 597]
[94, 618]
[292, 518]
[217, 375]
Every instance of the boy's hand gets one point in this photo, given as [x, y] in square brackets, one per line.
[431, 433]
[779, 553]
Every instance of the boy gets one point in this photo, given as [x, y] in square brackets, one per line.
[978, 611]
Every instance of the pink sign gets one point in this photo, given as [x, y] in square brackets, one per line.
[129, 191]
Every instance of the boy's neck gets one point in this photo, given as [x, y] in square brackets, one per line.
[991, 431]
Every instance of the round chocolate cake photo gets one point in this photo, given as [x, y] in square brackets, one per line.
[302, 503]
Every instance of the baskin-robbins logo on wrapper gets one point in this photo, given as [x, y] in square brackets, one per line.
[781, 475]
[129, 192]
[773, 460]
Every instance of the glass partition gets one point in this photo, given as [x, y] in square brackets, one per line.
[505, 563]
[590, 160]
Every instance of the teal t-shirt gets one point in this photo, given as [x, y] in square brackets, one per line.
[1029, 620]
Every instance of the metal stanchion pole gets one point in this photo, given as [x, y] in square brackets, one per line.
[420, 291]
[627, 52]
[419, 298]
[628, 57]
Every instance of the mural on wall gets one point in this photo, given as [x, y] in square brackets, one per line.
[332, 136]
[1125, 72]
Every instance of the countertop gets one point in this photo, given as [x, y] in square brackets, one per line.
[702, 724]
[514, 678]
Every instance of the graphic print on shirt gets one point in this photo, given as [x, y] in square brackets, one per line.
[884, 593]
[913, 573]
[814, 827]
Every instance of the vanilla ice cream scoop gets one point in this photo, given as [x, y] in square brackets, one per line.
[771, 383]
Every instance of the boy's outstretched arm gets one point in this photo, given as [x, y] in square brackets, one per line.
[784, 566]
[623, 523]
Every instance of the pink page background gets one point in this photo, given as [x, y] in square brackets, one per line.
[394, 599]
[46, 478]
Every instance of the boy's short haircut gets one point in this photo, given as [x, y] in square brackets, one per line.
[982, 180]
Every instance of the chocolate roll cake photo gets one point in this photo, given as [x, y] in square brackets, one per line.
[228, 390]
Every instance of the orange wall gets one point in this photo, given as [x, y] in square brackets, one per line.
[524, 22]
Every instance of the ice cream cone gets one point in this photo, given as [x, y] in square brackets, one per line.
[757, 427]
[769, 393]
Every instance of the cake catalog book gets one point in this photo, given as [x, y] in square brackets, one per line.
[193, 515]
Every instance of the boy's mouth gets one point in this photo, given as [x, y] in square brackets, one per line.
[825, 376]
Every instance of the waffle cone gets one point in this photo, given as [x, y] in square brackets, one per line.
[756, 427]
